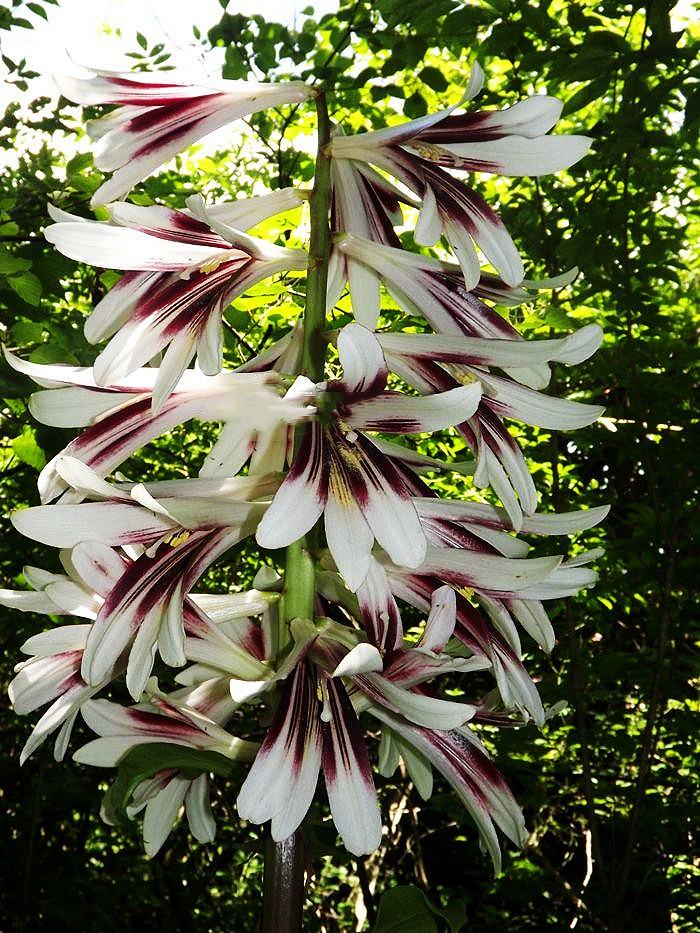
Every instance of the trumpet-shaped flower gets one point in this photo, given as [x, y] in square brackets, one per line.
[316, 726]
[513, 141]
[178, 536]
[482, 339]
[120, 417]
[157, 116]
[340, 473]
[53, 672]
[183, 272]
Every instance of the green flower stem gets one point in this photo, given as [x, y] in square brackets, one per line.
[298, 597]
[313, 359]
[283, 894]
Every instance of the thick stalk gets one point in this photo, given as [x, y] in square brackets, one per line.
[283, 894]
[298, 596]
[313, 360]
[283, 885]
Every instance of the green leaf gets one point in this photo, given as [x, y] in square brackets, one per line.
[415, 106]
[586, 94]
[27, 450]
[434, 78]
[27, 286]
[78, 163]
[404, 909]
[142, 41]
[51, 352]
[24, 332]
[39, 10]
[10, 264]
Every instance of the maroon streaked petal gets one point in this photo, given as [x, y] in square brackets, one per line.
[300, 500]
[144, 592]
[166, 223]
[468, 210]
[387, 506]
[40, 680]
[479, 634]
[282, 780]
[379, 613]
[347, 772]
[478, 784]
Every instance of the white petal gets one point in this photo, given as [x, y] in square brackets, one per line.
[299, 501]
[429, 226]
[108, 522]
[485, 571]
[210, 345]
[249, 212]
[348, 776]
[531, 117]
[143, 650]
[413, 415]
[531, 615]
[70, 407]
[347, 533]
[361, 357]
[175, 361]
[424, 710]
[117, 306]
[161, 814]
[517, 155]
[110, 247]
[465, 253]
[441, 621]
[516, 401]
[198, 810]
[364, 293]
[57, 640]
[27, 601]
[362, 659]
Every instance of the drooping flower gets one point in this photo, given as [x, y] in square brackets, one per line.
[316, 726]
[367, 205]
[158, 116]
[120, 417]
[177, 536]
[53, 672]
[184, 268]
[340, 473]
[482, 340]
[513, 141]
[190, 719]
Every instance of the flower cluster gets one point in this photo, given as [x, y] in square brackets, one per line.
[297, 446]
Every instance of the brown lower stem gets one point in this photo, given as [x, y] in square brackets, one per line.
[283, 886]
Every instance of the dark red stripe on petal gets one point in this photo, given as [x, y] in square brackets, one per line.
[462, 128]
[343, 744]
[379, 469]
[190, 110]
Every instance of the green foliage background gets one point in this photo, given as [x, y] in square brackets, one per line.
[608, 787]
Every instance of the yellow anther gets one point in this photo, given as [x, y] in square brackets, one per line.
[428, 151]
[176, 538]
[211, 265]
